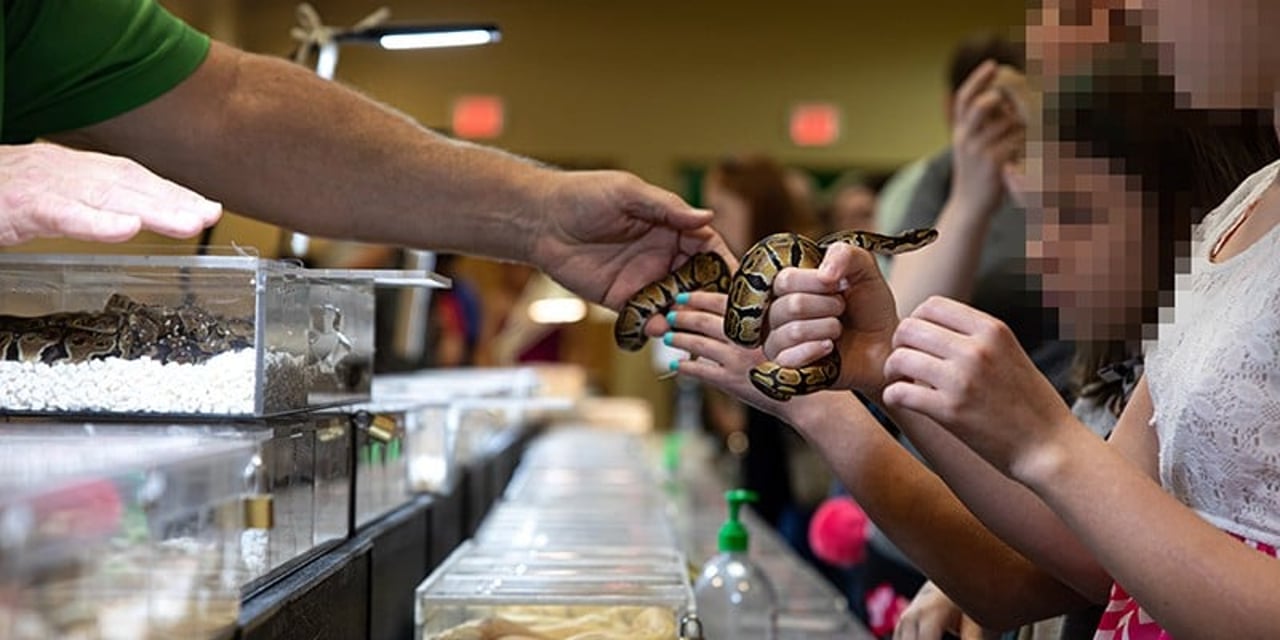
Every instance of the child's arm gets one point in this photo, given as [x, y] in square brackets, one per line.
[963, 368]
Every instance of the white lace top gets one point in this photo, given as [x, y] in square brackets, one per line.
[1214, 376]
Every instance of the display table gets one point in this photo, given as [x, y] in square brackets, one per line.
[363, 588]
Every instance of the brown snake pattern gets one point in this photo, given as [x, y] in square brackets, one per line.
[125, 329]
[750, 290]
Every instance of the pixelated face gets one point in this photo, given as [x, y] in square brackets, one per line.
[1221, 53]
[1060, 33]
[1086, 239]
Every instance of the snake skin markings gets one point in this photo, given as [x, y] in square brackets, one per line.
[134, 357]
[750, 291]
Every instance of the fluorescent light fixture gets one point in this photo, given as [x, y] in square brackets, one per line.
[557, 310]
[424, 36]
[468, 38]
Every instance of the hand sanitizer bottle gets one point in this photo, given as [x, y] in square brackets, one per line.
[735, 599]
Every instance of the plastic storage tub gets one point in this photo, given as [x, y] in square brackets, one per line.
[219, 335]
[595, 594]
[130, 537]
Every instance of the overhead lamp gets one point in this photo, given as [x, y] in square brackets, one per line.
[312, 34]
[434, 36]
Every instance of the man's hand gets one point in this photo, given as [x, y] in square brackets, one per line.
[607, 234]
[51, 191]
[843, 304]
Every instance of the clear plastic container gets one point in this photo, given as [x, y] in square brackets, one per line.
[213, 335]
[575, 524]
[586, 448]
[486, 406]
[298, 480]
[431, 446]
[552, 485]
[131, 537]
[381, 468]
[488, 597]
[304, 471]
[614, 562]
[430, 434]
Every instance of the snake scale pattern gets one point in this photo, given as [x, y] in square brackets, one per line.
[124, 329]
[749, 291]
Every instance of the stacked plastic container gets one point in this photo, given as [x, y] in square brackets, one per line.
[228, 348]
[133, 537]
[438, 421]
[580, 547]
[202, 336]
[606, 593]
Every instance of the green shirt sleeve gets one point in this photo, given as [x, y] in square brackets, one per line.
[73, 63]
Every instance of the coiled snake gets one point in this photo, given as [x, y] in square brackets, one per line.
[126, 329]
[750, 290]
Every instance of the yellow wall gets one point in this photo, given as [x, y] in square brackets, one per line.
[649, 86]
[644, 85]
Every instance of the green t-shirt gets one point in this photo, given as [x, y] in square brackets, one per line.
[69, 64]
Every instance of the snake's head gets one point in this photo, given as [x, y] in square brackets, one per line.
[917, 238]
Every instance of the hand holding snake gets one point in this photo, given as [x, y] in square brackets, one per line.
[750, 292]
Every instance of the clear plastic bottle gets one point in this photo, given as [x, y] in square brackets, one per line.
[735, 599]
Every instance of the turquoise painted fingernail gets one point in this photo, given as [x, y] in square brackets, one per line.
[668, 338]
[682, 297]
[671, 318]
[674, 365]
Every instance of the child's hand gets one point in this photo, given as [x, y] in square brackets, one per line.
[966, 371]
[843, 302]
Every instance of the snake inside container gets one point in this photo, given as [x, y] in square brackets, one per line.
[124, 328]
[750, 290]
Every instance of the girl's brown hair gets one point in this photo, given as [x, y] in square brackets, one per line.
[1185, 161]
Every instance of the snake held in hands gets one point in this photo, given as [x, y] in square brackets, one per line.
[750, 290]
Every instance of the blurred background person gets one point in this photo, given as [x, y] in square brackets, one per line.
[849, 203]
[752, 197]
[980, 256]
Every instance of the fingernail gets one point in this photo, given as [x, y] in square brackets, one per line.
[682, 297]
[671, 318]
[674, 365]
[668, 338]
[207, 208]
[843, 284]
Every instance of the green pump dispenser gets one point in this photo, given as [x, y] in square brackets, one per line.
[736, 600]
[733, 536]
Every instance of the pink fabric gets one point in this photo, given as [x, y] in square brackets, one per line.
[838, 532]
[1124, 619]
[884, 609]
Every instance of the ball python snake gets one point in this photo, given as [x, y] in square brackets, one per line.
[125, 329]
[750, 290]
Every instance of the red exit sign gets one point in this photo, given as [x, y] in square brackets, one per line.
[815, 124]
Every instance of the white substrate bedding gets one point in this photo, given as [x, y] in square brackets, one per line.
[222, 385]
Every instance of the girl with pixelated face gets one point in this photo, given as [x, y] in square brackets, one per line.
[1175, 520]
[1117, 186]
[1182, 505]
